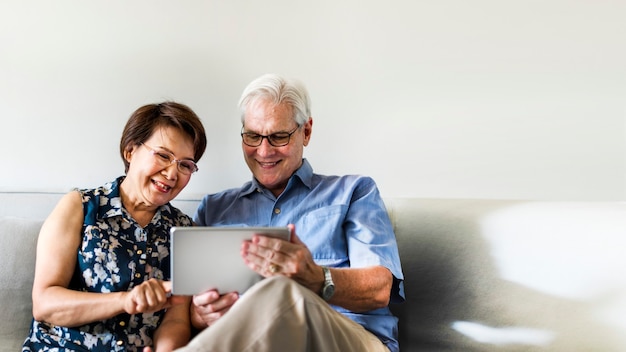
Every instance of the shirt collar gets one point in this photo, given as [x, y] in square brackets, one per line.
[304, 174]
[111, 191]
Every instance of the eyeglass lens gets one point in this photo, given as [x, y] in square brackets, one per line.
[165, 159]
[277, 139]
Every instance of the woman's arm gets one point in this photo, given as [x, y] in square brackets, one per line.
[57, 246]
[175, 329]
[58, 243]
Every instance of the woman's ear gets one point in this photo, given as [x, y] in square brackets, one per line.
[128, 152]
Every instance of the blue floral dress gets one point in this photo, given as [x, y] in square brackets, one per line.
[116, 255]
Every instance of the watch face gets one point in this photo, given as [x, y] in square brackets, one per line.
[329, 287]
[328, 292]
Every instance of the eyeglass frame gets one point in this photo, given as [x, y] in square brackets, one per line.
[172, 159]
[268, 137]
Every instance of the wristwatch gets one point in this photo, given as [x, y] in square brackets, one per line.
[329, 286]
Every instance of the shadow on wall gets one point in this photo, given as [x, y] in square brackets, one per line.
[457, 299]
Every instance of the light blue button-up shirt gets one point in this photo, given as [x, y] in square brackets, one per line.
[341, 219]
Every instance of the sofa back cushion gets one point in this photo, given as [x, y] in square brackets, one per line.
[17, 252]
[500, 275]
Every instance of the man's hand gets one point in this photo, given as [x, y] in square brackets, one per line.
[270, 256]
[208, 307]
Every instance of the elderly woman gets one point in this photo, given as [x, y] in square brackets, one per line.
[103, 254]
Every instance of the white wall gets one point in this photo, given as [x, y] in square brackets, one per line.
[450, 98]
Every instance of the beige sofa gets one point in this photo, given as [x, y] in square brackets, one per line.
[481, 275]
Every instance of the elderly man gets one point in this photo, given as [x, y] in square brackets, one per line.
[329, 288]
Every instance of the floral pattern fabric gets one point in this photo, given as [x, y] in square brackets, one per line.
[116, 254]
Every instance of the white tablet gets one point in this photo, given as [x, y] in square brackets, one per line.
[206, 258]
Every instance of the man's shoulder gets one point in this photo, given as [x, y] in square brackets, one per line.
[344, 180]
[355, 185]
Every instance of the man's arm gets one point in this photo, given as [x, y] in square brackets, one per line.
[360, 289]
[356, 289]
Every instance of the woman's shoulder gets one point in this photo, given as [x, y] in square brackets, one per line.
[70, 200]
[109, 189]
[100, 201]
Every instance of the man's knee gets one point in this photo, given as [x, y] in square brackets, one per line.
[280, 287]
[280, 283]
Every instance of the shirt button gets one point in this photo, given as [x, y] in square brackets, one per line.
[119, 342]
[276, 211]
[139, 251]
[137, 275]
[122, 323]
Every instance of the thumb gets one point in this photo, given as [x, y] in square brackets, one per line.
[167, 286]
[294, 238]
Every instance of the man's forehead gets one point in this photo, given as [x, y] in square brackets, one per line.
[268, 115]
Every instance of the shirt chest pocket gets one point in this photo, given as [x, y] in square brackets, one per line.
[322, 231]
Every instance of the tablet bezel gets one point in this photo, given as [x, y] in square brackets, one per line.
[204, 258]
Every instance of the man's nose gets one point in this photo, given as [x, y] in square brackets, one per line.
[265, 147]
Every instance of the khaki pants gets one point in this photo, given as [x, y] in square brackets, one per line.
[278, 314]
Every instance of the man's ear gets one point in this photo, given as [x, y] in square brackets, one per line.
[308, 130]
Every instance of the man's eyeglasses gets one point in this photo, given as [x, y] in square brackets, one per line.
[165, 159]
[277, 139]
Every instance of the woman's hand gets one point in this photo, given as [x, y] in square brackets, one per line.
[150, 296]
[208, 307]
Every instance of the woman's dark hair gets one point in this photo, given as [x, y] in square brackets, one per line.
[145, 120]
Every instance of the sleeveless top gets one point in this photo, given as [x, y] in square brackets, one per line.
[116, 254]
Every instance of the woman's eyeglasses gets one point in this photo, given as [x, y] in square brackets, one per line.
[165, 159]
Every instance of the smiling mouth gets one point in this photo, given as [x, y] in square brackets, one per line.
[161, 186]
[268, 165]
